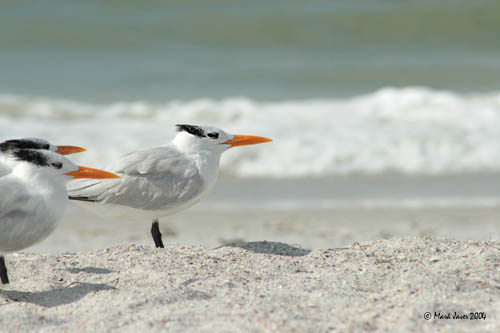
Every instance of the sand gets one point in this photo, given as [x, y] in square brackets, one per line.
[243, 270]
[309, 228]
[384, 285]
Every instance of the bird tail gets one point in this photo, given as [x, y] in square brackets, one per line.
[87, 199]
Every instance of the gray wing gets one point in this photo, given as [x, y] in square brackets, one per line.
[150, 179]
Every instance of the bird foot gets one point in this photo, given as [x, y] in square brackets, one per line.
[155, 232]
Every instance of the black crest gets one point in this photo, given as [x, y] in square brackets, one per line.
[191, 129]
[32, 156]
[21, 144]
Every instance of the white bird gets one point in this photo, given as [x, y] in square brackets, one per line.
[163, 180]
[35, 183]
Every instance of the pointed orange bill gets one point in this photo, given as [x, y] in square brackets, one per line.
[66, 150]
[243, 140]
[84, 172]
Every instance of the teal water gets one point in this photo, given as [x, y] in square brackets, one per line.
[104, 51]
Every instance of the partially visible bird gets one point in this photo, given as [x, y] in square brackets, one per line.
[34, 197]
[163, 180]
[37, 143]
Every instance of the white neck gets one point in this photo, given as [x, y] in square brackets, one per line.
[205, 156]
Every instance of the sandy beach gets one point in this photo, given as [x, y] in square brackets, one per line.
[320, 270]
[317, 228]
[385, 285]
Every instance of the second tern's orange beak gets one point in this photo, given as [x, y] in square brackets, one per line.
[66, 150]
[84, 172]
[243, 140]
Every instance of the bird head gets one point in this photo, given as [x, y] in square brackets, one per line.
[37, 143]
[50, 164]
[213, 138]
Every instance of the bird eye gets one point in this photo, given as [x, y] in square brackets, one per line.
[213, 135]
[57, 165]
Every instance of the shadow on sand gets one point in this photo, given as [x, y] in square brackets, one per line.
[55, 297]
[90, 270]
[266, 247]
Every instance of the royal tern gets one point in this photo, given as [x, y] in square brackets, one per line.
[35, 180]
[166, 179]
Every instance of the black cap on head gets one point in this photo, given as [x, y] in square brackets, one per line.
[32, 156]
[191, 129]
[22, 144]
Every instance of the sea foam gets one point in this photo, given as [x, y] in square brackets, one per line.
[411, 130]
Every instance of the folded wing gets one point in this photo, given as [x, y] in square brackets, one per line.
[150, 179]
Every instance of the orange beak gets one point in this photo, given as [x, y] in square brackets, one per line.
[243, 140]
[66, 150]
[84, 172]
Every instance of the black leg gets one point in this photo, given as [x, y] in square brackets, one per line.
[3, 271]
[155, 232]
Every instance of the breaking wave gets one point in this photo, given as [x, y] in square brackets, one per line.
[410, 130]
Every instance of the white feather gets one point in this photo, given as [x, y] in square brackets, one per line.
[34, 199]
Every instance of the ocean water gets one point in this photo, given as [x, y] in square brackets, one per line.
[128, 50]
[347, 90]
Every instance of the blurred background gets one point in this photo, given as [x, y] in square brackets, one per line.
[375, 107]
